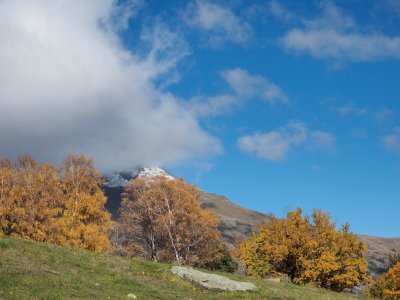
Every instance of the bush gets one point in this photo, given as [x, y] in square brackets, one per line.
[225, 264]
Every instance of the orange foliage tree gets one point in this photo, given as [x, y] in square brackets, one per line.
[31, 196]
[308, 252]
[387, 286]
[46, 203]
[163, 219]
[86, 223]
[392, 277]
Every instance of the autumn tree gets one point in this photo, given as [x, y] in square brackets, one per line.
[86, 223]
[392, 290]
[6, 178]
[309, 252]
[387, 286]
[65, 206]
[6, 184]
[163, 219]
[31, 195]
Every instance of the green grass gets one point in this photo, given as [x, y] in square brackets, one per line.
[30, 270]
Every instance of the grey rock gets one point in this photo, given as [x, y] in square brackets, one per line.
[212, 281]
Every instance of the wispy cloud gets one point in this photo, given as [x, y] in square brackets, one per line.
[332, 17]
[218, 23]
[245, 87]
[211, 106]
[335, 36]
[279, 11]
[68, 84]
[392, 141]
[323, 140]
[351, 109]
[275, 145]
[253, 86]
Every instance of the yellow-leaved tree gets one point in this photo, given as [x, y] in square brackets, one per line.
[163, 219]
[387, 286]
[31, 195]
[392, 288]
[85, 221]
[65, 206]
[308, 252]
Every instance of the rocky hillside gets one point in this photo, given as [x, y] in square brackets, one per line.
[378, 251]
[236, 222]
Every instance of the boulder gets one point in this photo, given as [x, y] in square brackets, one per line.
[212, 281]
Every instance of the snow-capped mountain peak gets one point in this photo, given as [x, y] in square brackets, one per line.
[152, 172]
[121, 179]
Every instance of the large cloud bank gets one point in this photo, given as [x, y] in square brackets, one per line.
[67, 84]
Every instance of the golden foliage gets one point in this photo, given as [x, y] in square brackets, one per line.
[163, 219]
[308, 252]
[387, 286]
[392, 278]
[31, 196]
[58, 205]
[86, 223]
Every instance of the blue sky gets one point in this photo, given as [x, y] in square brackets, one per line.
[274, 104]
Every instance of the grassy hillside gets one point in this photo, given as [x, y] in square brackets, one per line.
[30, 270]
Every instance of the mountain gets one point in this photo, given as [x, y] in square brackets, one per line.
[121, 179]
[115, 183]
[237, 222]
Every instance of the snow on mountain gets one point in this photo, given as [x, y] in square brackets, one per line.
[153, 172]
[115, 180]
[120, 179]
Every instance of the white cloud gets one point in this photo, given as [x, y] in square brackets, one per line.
[213, 106]
[68, 84]
[219, 23]
[276, 145]
[332, 18]
[278, 11]
[330, 44]
[253, 86]
[245, 87]
[335, 36]
[392, 141]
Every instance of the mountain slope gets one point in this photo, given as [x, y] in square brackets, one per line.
[378, 251]
[236, 222]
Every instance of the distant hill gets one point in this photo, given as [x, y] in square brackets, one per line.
[237, 222]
